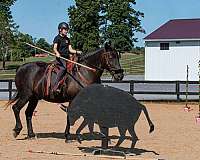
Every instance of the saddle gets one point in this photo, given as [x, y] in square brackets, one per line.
[54, 68]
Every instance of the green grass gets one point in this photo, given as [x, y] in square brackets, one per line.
[14, 64]
[131, 63]
[10, 71]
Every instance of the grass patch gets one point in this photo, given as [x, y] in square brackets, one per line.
[132, 64]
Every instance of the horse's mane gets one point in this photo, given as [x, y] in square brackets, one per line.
[87, 55]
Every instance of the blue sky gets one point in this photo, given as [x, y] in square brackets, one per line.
[40, 18]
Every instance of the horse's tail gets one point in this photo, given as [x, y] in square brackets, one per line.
[14, 98]
[151, 125]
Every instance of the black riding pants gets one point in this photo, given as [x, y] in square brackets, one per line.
[62, 68]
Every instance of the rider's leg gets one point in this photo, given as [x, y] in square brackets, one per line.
[62, 70]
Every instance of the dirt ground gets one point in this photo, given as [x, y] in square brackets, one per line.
[176, 135]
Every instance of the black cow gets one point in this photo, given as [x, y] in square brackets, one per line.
[108, 107]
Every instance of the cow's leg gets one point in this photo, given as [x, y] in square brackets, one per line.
[33, 101]
[16, 109]
[67, 130]
[80, 128]
[122, 132]
[104, 132]
[133, 135]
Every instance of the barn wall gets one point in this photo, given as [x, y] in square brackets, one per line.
[171, 64]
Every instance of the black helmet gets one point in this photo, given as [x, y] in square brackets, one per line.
[63, 25]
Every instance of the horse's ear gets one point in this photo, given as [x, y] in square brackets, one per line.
[107, 45]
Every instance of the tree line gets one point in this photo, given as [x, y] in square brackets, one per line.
[92, 22]
[11, 46]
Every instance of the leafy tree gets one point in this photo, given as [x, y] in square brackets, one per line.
[120, 21]
[11, 40]
[7, 28]
[42, 43]
[94, 22]
[84, 22]
[19, 49]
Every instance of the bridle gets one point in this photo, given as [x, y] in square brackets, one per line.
[105, 57]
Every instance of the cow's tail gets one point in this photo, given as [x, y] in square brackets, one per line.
[14, 98]
[151, 125]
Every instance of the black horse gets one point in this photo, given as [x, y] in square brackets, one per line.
[31, 78]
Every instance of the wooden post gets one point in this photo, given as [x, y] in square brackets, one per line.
[199, 90]
[178, 90]
[10, 89]
[186, 95]
[132, 88]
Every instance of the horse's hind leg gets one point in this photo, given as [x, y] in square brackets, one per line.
[29, 113]
[16, 109]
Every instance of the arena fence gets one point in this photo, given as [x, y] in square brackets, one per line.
[177, 87]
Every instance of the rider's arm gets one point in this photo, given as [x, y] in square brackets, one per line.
[55, 49]
[73, 51]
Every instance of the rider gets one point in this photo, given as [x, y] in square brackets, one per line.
[62, 48]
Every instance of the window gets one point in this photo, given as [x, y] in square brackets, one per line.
[164, 46]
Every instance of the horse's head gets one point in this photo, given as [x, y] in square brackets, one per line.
[111, 62]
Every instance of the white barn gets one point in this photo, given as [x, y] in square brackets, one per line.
[170, 48]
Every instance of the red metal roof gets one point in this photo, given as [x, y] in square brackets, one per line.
[177, 29]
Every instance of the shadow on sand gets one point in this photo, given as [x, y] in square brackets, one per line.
[96, 150]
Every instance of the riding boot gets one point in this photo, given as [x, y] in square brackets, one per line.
[57, 88]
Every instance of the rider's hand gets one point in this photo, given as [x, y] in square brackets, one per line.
[79, 52]
[58, 55]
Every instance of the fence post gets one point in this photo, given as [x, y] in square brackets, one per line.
[132, 87]
[178, 90]
[10, 89]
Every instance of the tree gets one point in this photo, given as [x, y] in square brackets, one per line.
[84, 24]
[23, 50]
[119, 23]
[7, 28]
[42, 43]
[11, 40]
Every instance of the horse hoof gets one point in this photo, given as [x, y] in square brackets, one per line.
[151, 128]
[68, 141]
[15, 134]
[31, 136]
[79, 138]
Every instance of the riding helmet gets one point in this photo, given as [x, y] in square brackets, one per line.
[63, 25]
